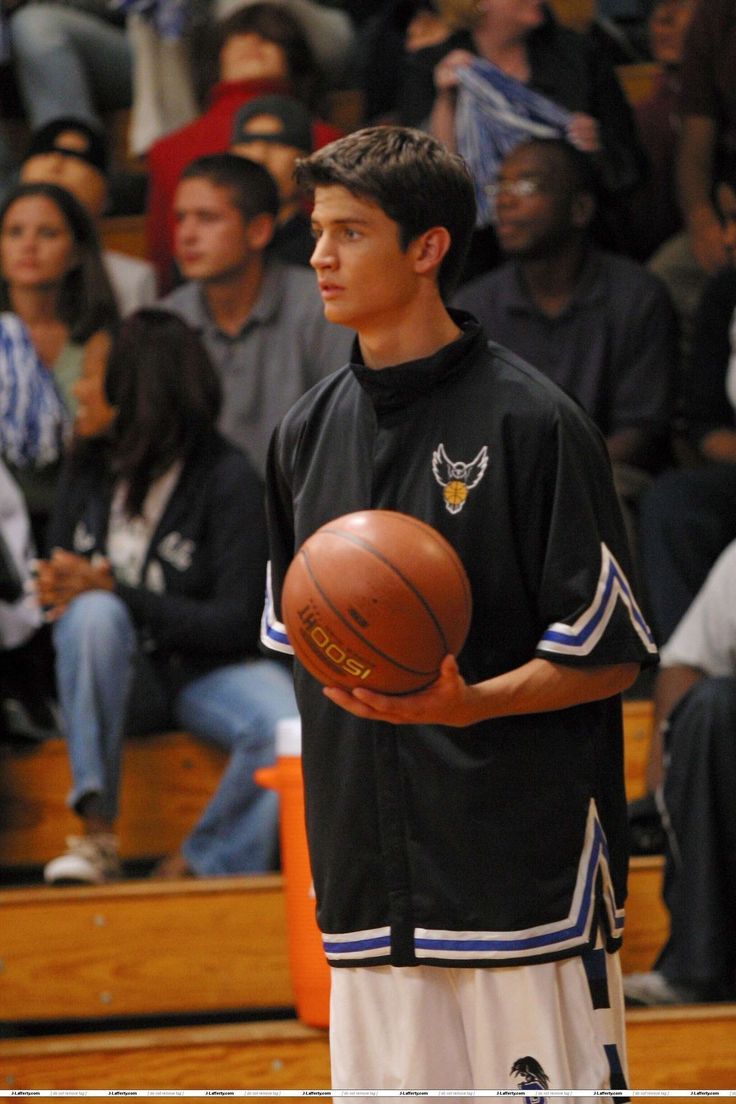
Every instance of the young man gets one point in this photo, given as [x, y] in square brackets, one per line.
[467, 842]
[598, 324]
[261, 321]
[275, 131]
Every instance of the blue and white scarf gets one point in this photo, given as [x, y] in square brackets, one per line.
[494, 114]
[34, 420]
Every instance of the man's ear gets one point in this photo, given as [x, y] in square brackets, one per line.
[260, 230]
[430, 249]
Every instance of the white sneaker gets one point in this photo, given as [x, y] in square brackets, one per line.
[88, 860]
[654, 988]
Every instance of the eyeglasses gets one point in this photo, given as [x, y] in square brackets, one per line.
[522, 188]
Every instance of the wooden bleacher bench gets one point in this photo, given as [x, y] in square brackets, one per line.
[638, 79]
[168, 779]
[146, 948]
[125, 234]
[143, 948]
[577, 14]
[691, 1047]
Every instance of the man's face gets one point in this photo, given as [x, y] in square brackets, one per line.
[278, 158]
[83, 180]
[366, 280]
[533, 204]
[250, 57]
[212, 241]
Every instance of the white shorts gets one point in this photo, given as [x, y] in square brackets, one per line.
[555, 1025]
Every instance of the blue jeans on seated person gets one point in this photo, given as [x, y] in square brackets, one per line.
[108, 687]
[69, 62]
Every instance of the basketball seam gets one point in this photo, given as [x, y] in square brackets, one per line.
[444, 545]
[349, 625]
[363, 543]
[441, 543]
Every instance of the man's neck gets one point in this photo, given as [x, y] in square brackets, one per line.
[231, 299]
[551, 281]
[404, 338]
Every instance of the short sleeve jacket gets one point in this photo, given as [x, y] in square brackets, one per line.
[503, 842]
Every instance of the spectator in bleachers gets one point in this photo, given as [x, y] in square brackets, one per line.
[397, 28]
[70, 58]
[26, 685]
[706, 157]
[655, 209]
[155, 588]
[70, 153]
[328, 25]
[276, 131]
[262, 50]
[600, 323]
[688, 516]
[695, 704]
[57, 307]
[261, 321]
[557, 76]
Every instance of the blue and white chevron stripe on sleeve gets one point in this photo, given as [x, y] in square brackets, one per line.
[273, 632]
[580, 638]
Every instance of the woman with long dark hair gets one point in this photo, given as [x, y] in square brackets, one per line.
[155, 589]
[56, 309]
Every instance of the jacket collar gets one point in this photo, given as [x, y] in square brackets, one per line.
[401, 384]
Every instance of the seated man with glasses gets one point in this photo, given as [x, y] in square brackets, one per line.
[600, 325]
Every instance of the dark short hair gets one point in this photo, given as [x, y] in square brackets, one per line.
[412, 177]
[166, 393]
[277, 24]
[87, 302]
[254, 191]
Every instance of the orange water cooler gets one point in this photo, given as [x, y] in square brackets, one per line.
[310, 973]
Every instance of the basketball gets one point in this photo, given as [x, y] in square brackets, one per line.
[376, 599]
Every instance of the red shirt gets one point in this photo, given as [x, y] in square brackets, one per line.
[208, 133]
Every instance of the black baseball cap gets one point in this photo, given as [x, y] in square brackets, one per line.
[92, 145]
[294, 117]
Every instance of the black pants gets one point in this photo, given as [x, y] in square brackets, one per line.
[687, 517]
[700, 867]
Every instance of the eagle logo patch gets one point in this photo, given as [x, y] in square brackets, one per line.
[532, 1078]
[457, 478]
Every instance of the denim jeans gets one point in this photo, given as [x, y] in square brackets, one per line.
[236, 707]
[69, 62]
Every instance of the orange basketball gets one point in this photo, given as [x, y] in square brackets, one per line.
[376, 599]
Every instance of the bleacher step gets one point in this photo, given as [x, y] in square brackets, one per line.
[152, 947]
[691, 1047]
[143, 948]
[647, 920]
[168, 778]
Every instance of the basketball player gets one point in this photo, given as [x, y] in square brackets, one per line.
[467, 842]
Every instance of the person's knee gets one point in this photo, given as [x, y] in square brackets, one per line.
[712, 698]
[96, 618]
[704, 718]
[37, 29]
[666, 498]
